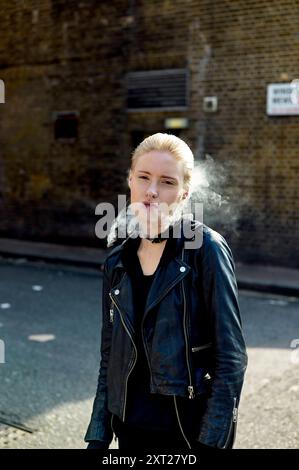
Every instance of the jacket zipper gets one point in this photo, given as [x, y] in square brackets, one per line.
[190, 386]
[134, 361]
[233, 420]
[179, 421]
[111, 313]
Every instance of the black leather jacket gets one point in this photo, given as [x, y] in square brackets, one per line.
[192, 333]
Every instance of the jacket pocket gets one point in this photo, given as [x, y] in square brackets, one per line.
[201, 358]
[200, 348]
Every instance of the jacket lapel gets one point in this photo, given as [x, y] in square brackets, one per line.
[167, 276]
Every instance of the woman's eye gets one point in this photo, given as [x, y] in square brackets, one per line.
[143, 177]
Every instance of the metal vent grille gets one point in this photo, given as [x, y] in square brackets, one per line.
[157, 90]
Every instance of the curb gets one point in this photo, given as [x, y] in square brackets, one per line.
[268, 279]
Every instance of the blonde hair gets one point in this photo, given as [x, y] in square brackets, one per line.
[167, 143]
[164, 143]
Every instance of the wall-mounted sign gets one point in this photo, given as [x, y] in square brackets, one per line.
[176, 123]
[210, 104]
[282, 99]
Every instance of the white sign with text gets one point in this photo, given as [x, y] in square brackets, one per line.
[282, 99]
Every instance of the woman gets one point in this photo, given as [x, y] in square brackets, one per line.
[173, 355]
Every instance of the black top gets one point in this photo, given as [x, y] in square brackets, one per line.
[145, 409]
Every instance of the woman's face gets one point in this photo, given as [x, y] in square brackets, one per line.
[156, 185]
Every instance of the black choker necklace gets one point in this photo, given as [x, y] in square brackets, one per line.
[161, 236]
[156, 239]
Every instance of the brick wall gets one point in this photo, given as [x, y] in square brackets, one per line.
[67, 55]
[58, 56]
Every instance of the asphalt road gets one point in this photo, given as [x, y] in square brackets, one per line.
[50, 331]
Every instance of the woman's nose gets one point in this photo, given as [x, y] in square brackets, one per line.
[152, 191]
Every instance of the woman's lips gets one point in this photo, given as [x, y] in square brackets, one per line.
[151, 205]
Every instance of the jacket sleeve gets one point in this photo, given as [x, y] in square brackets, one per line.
[218, 424]
[100, 424]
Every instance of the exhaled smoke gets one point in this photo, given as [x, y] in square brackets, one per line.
[128, 221]
[210, 186]
[209, 189]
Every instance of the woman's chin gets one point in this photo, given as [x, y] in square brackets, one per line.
[151, 230]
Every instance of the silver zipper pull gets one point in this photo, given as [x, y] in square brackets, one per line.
[111, 315]
[191, 391]
[235, 411]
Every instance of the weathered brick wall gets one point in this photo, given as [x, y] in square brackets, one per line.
[61, 55]
[256, 43]
[56, 56]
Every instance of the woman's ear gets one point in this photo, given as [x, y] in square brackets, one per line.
[129, 179]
